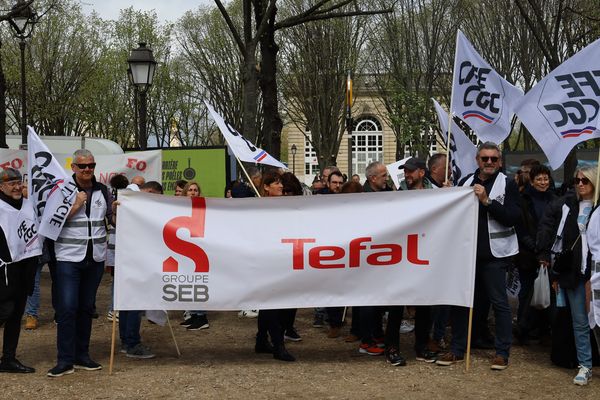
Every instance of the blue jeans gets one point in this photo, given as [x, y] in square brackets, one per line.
[490, 281]
[33, 302]
[440, 316]
[581, 327]
[129, 328]
[76, 287]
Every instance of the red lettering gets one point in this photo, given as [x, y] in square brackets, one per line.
[5, 165]
[393, 255]
[355, 248]
[131, 162]
[412, 253]
[315, 258]
[140, 165]
[298, 251]
[195, 224]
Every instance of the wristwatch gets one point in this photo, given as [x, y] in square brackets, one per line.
[488, 202]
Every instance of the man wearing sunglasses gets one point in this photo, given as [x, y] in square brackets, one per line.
[496, 244]
[80, 254]
[19, 247]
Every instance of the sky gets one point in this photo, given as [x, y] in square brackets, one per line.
[167, 10]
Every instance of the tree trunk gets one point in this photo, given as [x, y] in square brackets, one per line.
[250, 91]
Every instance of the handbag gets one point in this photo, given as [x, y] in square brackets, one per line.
[563, 260]
[541, 290]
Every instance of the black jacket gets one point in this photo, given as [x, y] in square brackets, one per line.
[547, 234]
[507, 214]
[527, 225]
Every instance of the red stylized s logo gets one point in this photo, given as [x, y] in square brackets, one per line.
[195, 224]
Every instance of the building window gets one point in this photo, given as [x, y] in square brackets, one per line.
[367, 144]
[311, 165]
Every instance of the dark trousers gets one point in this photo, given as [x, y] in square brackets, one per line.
[490, 283]
[370, 323]
[76, 287]
[269, 322]
[334, 314]
[287, 317]
[422, 327]
[440, 316]
[11, 312]
[129, 328]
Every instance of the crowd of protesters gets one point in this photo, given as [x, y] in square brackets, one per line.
[524, 224]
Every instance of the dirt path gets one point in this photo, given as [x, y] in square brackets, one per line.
[219, 363]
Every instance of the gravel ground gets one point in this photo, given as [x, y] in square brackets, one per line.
[220, 363]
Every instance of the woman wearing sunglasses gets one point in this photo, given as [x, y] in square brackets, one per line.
[563, 227]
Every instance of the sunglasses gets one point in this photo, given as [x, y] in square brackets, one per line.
[486, 159]
[585, 181]
[84, 166]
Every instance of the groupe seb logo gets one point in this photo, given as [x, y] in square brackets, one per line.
[333, 257]
[177, 285]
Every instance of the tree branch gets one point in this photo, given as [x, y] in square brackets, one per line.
[234, 32]
[320, 17]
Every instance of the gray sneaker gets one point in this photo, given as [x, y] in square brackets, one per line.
[140, 351]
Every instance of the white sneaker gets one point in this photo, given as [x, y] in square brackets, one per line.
[406, 326]
[248, 314]
[583, 376]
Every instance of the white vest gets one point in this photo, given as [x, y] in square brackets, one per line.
[593, 239]
[20, 229]
[72, 242]
[503, 240]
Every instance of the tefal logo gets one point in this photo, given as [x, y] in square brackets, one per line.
[325, 257]
[195, 225]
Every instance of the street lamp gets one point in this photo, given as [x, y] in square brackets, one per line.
[22, 19]
[142, 66]
[294, 150]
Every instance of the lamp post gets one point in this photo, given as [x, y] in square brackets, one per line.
[22, 20]
[294, 150]
[142, 66]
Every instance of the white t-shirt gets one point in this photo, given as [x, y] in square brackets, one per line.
[585, 208]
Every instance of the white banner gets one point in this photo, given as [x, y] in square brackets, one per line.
[143, 163]
[562, 109]
[50, 189]
[480, 96]
[462, 151]
[239, 145]
[413, 247]
[20, 231]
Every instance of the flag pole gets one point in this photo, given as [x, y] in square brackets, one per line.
[450, 111]
[173, 336]
[247, 176]
[112, 342]
[470, 329]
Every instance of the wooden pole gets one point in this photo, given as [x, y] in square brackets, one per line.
[112, 342]
[173, 336]
[470, 328]
[247, 176]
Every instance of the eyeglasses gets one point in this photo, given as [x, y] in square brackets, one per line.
[486, 159]
[84, 166]
[584, 181]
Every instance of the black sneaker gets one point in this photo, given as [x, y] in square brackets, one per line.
[87, 365]
[292, 335]
[393, 357]
[60, 370]
[198, 322]
[427, 356]
[187, 322]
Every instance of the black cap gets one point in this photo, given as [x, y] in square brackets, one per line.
[412, 164]
[10, 174]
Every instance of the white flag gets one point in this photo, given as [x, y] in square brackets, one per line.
[480, 96]
[462, 151]
[561, 110]
[242, 147]
[50, 188]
